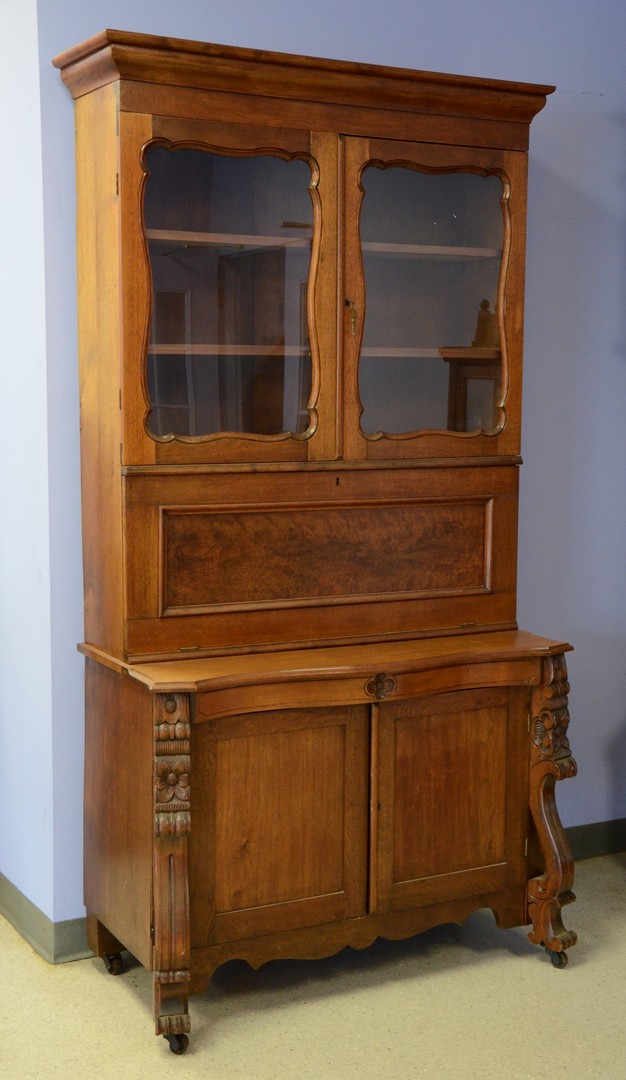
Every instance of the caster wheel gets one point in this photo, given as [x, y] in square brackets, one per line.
[178, 1043]
[114, 964]
[557, 959]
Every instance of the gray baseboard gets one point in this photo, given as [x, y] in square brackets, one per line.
[600, 838]
[63, 941]
[56, 942]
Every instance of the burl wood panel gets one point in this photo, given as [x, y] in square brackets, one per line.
[279, 800]
[276, 555]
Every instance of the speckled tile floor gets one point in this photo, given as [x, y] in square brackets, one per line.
[456, 1002]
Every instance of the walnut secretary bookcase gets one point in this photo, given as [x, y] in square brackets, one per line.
[311, 718]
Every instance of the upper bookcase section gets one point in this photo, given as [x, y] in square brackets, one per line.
[289, 259]
[145, 59]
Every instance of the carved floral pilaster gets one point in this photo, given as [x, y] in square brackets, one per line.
[550, 760]
[172, 824]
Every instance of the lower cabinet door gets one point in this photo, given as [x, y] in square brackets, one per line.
[279, 821]
[452, 800]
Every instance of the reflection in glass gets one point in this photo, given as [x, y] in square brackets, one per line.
[229, 241]
[432, 249]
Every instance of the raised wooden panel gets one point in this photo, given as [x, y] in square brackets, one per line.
[452, 790]
[281, 555]
[431, 744]
[275, 841]
[280, 821]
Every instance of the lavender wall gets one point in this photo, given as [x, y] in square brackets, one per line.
[26, 838]
[573, 492]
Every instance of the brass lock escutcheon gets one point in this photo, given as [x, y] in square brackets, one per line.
[381, 686]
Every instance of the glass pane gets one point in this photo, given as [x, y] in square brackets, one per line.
[432, 248]
[229, 240]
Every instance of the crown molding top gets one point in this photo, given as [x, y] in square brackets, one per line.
[118, 54]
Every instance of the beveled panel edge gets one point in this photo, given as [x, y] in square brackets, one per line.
[459, 883]
[115, 54]
[327, 600]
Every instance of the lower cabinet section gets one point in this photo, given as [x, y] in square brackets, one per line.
[298, 829]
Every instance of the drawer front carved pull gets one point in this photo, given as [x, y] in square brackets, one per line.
[381, 685]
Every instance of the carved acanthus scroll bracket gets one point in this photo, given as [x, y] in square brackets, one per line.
[550, 760]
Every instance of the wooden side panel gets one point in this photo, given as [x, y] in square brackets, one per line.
[280, 821]
[119, 815]
[453, 796]
[99, 291]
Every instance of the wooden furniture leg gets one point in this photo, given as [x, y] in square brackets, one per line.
[550, 760]
[172, 944]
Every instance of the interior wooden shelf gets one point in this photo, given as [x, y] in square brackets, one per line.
[236, 240]
[384, 351]
[471, 353]
[460, 353]
[190, 238]
[227, 350]
[392, 352]
[427, 250]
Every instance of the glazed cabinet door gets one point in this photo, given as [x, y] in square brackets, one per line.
[453, 797]
[279, 837]
[434, 264]
[227, 350]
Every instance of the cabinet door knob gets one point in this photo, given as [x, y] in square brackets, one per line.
[381, 685]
